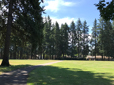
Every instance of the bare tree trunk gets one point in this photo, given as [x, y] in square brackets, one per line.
[21, 53]
[15, 49]
[5, 61]
[0, 54]
[102, 56]
[108, 58]
[10, 55]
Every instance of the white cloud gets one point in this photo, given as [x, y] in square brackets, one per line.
[55, 5]
[66, 3]
[67, 20]
[62, 20]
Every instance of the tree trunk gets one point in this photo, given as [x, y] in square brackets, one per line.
[17, 54]
[78, 43]
[63, 55]
[1, 53]
[21, 53]
[10, 55]
[15, 49]
[108, 58]
[43, 56]
[102, 56]
[31, 54]
[52, 56]
[5, 61]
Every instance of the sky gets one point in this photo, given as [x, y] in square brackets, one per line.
[71, 10]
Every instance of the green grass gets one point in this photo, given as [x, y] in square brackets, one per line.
[74, 73]
[15, 64]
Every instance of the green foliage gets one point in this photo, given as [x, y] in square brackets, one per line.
[79, 33]
[106, 9]
[102, 40]
[64, 38]
[94, 40]
[85, 39]
[27, 26]
[73, 39]
[34, 36]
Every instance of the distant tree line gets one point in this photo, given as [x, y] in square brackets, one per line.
[61, 42]
[34, 37]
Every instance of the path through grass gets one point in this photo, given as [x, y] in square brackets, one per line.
[15, 64]
[74, 73]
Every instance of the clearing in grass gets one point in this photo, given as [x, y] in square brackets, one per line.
[74, 73]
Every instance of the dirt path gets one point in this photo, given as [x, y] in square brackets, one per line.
[19, 77]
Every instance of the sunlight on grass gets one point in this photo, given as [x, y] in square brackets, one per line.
[74, 73]
[15, 64]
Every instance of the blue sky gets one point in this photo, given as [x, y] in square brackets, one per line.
[71, 10]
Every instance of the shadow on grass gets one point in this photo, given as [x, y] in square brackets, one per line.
[16, 77]
[12, 67]
[49, 75]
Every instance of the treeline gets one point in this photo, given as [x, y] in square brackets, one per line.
[65, 42]
[34, 37]
[54, 42]
[75, 42]
[102, 42]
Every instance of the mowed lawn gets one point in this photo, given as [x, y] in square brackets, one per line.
[15, 64]
[74, 73]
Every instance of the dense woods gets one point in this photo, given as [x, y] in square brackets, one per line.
[25, 34]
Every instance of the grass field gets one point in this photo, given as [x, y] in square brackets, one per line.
[74, 73]
[15, 64]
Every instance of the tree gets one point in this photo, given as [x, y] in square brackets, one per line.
[94, 36]
[105, 38]
[5, 61]
[108, 41]
[106, 9]
[47, 36]
[101, 36]
[16, 10]
[73, 39]
[85, 41]
[64, 39]
[57, 40]
[79, 37]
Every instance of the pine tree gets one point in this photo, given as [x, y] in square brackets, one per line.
[73, 39]
[57, 40]
[85, 41]
[64, 39]
[79, 36]
[101, 37]
[94, 36]
[108, 42]
[47, 36]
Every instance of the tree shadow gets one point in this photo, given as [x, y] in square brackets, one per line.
[18, 76]
[49, 75]
[12, 67]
